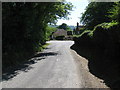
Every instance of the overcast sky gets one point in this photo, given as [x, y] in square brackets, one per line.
[76, 13]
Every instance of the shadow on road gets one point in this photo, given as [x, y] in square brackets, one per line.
[25, 66]
[45, 54]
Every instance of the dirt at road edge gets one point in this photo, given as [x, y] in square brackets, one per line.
[88, 79]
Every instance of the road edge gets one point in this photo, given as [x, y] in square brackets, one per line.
[88, 79]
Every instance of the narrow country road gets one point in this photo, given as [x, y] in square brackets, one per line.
[55, 67]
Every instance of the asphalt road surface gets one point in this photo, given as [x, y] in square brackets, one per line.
[55, 67]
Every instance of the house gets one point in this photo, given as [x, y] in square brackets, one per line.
[59, 32]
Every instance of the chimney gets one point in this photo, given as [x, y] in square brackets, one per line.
[77, 24]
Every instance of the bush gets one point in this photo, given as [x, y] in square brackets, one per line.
[60, 37]
[106, 34]
[84, 38]
[49, 32]
[69, 33]
[102, 48]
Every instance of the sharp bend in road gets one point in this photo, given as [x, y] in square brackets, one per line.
[56, 70]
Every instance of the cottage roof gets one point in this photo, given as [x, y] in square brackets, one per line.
[60, 32]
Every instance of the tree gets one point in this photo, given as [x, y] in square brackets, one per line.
[64, 26]
[49, 32]
[96, 13]
[104, 37]
[24, 27]
[115, 12]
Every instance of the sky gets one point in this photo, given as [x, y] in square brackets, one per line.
[80, 6]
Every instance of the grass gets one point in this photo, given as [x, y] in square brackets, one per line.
[45, 46]
[41, 48]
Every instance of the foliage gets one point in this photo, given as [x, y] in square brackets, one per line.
[95, 15]
[101, 44]
[115, 12]
[49, 31]
[70, 32]
[43, 47]
[24, 27]
[64, 26]
[102, 48]
[60, 37]
[86, 31]
[107, 25]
